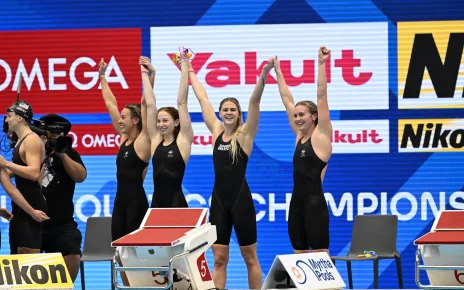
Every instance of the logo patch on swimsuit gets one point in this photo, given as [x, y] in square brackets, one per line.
[126, 154]
[223, 147]
[170, 154]
[303, 153]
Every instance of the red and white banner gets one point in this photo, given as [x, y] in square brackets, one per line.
[228, 61]
[102, 139]
[202, 140]
[357, 137]
[60, 68]
[349, 136]
[95, 139]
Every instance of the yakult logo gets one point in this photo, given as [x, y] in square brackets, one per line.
[229, 60]
[60, 69]
[202, 141]
[221, 73]
[364, 136]
[369, 136]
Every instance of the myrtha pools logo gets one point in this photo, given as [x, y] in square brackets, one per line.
[319, 268]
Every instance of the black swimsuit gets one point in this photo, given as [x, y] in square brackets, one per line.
[308, 218]
[130, 203]
[231, 203]
[168, 173]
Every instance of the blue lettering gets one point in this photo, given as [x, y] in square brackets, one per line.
[319, 269]
[327, 275]
[329, 265]
[313, 264]
[331, 276]
[302, 270]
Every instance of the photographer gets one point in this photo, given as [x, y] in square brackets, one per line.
[63, 168]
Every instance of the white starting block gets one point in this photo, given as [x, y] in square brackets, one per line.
[168, 251]
[442, 252]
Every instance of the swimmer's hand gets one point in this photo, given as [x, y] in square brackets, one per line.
[4, 213]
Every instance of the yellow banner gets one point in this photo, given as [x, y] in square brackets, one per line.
[34, 271]
[430, 64]
[431, 135]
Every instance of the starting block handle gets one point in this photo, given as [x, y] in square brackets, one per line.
[441, 268]
[140, 269]
[198, 247]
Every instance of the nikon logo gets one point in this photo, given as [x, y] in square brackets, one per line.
[27, 275]
[439, 135]
[34, 271]
[429, 65]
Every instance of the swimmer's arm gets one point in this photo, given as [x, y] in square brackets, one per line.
[286, 96]
[186, 130]
[323, 114]
[111, 103]
[34, 154]
[6, 214]
[207, 110]
[143, 107]
[251, 125]
[323, 173]
[152, 78]
[10, 173]
[144, 173]
[143, 112]
[143, 142]
[152, 110]
[13, 192]
[143, 103]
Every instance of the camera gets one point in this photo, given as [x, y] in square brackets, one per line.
[51, 123]
[58, 144]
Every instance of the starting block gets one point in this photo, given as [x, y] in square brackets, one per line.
[167, 251]
[442, 252]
